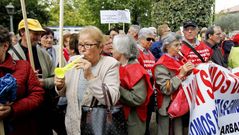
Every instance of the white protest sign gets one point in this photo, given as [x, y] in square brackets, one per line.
[123, 16]
[108, 16]
[213, 95]
[114, 16]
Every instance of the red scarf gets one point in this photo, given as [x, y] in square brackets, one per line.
[129, 76]
[171, 64]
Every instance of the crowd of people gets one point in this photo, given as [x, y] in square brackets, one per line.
[142, 70]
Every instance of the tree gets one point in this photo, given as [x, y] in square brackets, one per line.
[175, 12]
[87, 12]
[228, 22]
[33, 8]
[76, 13]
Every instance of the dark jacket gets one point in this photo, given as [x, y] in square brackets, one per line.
[217, 56]
[22, 120]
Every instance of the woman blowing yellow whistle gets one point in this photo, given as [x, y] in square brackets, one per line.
[60, 72]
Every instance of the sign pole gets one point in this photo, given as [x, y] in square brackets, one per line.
[29, 46]
[123, 27]
[109, 26]
[61, 21]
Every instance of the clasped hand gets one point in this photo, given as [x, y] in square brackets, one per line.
[186, 68]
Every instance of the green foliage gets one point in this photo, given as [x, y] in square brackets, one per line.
[76, 13]
[228, 22]
[175, 12]
[140, 11]
[87, 12]
[33, 8]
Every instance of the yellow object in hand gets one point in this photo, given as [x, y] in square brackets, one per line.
[60, 72]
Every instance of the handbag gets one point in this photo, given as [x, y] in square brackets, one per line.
[179, 105]
[103, 119]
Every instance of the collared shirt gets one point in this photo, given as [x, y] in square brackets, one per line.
[145, 51]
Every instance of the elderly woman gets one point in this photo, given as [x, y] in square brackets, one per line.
[85, 81]
[47, 43]
[169, 72]
[55, 114]
[135, 87]
[147, 60]
[107, 46]
[19, 115]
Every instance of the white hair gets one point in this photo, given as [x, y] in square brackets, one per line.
[125, 45]
[135, 28]
[144, 32]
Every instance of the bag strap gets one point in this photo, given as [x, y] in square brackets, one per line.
[16, 52]
[107, 96]
[199, 56]
[107, 92]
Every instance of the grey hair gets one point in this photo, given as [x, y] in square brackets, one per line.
[153, 29]
[126, 45]
[136, 28]
[144, 32]
[168, 39]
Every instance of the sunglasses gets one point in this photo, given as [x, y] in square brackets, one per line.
[150, 39]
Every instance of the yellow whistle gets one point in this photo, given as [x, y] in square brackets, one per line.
[60, 72]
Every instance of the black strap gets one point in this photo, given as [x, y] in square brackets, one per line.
[15, 51]
[199, 56]
[107, 97]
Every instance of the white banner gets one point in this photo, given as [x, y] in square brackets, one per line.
[213, 95]
[114, 16]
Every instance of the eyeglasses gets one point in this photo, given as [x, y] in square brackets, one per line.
[86, 46]
[150, 39]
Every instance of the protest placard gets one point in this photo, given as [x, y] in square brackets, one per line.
[114, 16]
[213, 96]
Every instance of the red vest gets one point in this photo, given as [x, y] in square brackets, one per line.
[170, 64]
[146, 60]
[129, 76]
[202, 49]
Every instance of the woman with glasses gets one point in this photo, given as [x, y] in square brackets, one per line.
[135, 86]
[84, 81]
[169, 72]
[147, 60]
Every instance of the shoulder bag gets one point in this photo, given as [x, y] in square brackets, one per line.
[103, 119]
